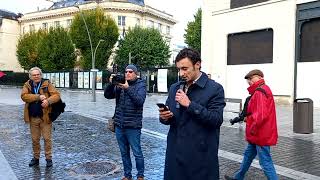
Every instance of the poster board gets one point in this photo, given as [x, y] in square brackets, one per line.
[86, 80]
[61, 79]
[91, 74]
[80, 79]
[57, 80]
[99, 80]
[53, 79]
[66, 80]
[162, 80]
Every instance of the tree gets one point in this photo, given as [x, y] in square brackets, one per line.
[56, 50]
[28, 49]
[193, 32]
[147, 47]
[100, 27]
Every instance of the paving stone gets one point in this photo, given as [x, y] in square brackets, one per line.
[78, 139]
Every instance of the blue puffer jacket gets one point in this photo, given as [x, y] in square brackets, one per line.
[129, 103]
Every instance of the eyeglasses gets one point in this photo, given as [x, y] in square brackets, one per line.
[129, 72]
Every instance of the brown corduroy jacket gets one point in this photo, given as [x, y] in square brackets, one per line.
[46, 89]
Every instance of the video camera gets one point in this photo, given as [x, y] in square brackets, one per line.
[242, 114]
[240, 118]
[118, 79]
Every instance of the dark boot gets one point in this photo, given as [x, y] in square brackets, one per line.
[34, 162]
[49, 162]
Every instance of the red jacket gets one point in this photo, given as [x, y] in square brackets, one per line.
[261, 124]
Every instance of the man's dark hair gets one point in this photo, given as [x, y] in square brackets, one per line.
[192, 54]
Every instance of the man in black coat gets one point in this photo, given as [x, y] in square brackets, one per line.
[195, 115]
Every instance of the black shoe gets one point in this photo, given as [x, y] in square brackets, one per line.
[34, 162]
[226, 177]
[49, 162]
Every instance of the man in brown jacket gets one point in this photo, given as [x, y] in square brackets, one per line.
[39, 94]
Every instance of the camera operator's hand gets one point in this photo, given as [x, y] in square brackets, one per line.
[123, 86]
[110, 78]
[165, 115]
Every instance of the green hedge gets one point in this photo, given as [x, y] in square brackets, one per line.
[14, 78]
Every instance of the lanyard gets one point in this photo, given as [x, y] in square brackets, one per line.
[36, 89]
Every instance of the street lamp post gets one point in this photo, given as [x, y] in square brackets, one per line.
[130, 57]
[93, 70]
[94, 54]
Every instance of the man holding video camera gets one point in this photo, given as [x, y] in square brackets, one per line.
[131, 94]
[261, 127]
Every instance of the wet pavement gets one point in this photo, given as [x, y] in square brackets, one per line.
[82, 144]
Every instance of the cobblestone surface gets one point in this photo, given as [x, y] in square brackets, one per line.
[78, 140]
[295, 154]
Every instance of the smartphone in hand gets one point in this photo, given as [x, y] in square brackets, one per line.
[161, 105]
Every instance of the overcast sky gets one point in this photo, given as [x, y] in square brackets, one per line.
[182, 10]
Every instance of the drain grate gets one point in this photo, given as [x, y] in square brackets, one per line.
[98, 168]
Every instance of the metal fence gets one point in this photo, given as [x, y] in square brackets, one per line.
[157, 79]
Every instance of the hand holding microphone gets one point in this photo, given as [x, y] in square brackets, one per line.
[182, 98]
[181, 87]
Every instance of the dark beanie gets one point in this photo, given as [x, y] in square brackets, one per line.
[132, 67]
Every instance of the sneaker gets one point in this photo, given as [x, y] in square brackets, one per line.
[226, 177]
[34, 162]
[126, 178]
[49, 162]
[140, 178]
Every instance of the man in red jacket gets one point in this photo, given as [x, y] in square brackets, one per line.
[261, 127]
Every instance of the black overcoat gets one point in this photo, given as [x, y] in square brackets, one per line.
[193, 138]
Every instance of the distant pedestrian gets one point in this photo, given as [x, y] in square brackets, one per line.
[261, 127]
[195, 115]
[39, 94]
[130, 97]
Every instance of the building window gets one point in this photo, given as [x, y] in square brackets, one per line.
[69, 22]
[241, 3]
[310, 41]
[121, 21]
[32, 27]
[255, 47]
[137, 22]
[160, 27]
[56, 24]
[150, 24]
[45, 26]
[168, 30]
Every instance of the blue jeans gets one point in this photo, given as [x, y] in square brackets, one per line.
[130, 138]
[265, 161]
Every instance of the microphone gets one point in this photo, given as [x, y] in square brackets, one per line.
[181, 86]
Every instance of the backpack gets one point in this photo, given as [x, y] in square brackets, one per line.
[57, 109]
